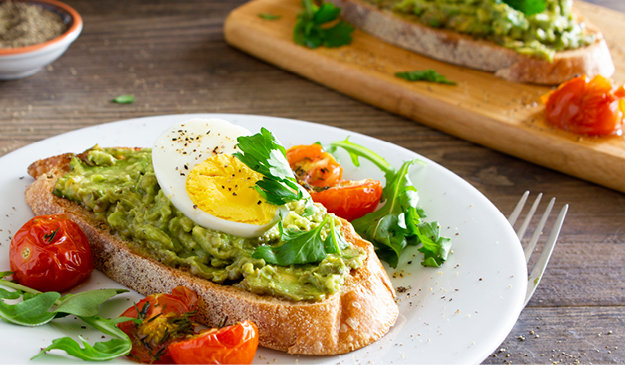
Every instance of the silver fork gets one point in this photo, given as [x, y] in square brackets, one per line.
[541, 264]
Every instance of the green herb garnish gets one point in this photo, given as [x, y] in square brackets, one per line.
[263, 154]
[267, 16]
[50, 236]
[397, 223]
[124, 99]
[303, 247]
[312, 30]
[100, 351]
[335, 242]
[35, 310]
[527, 7]
[425, 75]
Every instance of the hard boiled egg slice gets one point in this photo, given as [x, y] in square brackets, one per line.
[196, 170]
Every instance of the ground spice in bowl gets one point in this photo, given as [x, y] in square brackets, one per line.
[24, 24]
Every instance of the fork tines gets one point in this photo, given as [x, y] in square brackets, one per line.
[541, 264]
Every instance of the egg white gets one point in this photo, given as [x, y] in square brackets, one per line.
[182, 146]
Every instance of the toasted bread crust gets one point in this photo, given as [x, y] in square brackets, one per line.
[360, 314]
[464, 50]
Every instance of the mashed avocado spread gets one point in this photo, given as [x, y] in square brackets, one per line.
[540, 35]
[119, 186]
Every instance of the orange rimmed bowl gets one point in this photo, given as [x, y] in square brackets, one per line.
[16, 63]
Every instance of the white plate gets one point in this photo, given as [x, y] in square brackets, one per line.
[458, 313]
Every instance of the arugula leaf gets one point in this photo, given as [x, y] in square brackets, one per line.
[355, 151]
[124, 99]
[35, 308]
[32, 312]
[299, 247]
[397, 223]
[386, 225]
[85, 304]
[435, 248]
[527, 7]
[303, 247]
[5, 294]
[426, 75]
[335, 242]
[100, 351]
[263, 154]
[268, 16]
[311, 29]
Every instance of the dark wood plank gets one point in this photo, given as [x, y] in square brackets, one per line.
[580, 335]
[172, 56]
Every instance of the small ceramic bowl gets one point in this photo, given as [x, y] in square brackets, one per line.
[16, 63]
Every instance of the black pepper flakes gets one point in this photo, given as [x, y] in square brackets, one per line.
[401, 289]
[28, 24]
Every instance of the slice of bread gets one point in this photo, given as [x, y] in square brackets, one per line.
[464, 50]
[360, 314]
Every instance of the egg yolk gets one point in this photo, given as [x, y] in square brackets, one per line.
[223, 186]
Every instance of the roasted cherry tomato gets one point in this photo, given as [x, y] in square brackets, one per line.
[313, 166]
[235, 344]
[586, 106]
[166, 318]
[50, 253]
[350, 199]
[319, 172]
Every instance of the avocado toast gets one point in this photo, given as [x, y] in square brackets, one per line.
[360, 313]
[544, 48]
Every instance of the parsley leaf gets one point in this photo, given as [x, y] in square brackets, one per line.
[527, 7]
[263, 154]
[397, 224]
[425, 75]
[302, 247]
[267, 16]
[124, 99]
[311, 29]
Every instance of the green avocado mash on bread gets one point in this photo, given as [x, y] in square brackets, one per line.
[119, 186]
[541, 35]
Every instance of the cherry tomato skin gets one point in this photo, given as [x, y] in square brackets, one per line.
[587, 106]
[313, 166]
[163, 306]
[350, 199]
[234, 344]
[50, 253]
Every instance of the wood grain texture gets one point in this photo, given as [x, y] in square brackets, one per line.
[502, 115]
[173, 57]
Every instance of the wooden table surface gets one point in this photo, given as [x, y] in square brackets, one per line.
[172, 56]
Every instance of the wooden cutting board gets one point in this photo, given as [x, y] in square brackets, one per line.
[502, 115]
